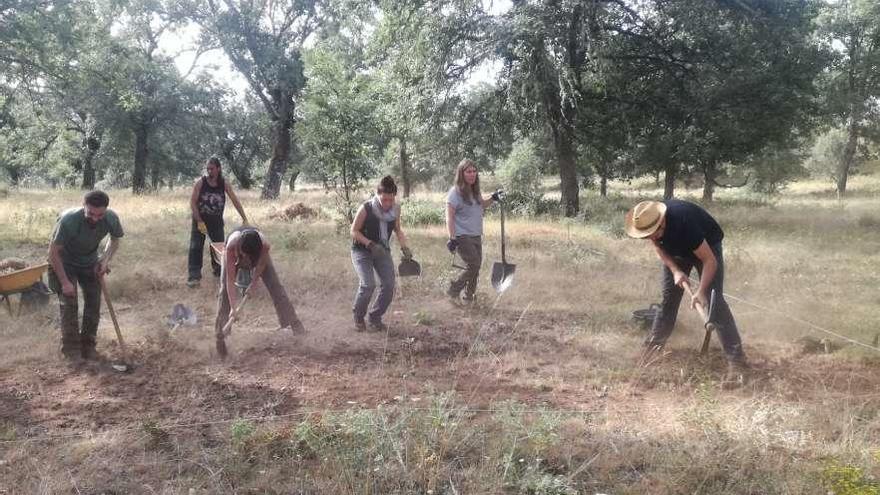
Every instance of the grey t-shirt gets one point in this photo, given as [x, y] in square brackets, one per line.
[468, 217]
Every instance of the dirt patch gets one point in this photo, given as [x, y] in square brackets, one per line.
[294, 211]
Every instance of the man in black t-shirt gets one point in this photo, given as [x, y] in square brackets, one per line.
[686, 236]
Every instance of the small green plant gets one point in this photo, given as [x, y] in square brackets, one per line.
[298, 241]
[423, 318]
[7, 431]
[242, 430]
[842, 479]
[157, 437]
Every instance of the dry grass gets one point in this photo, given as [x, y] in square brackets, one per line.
[533, 392]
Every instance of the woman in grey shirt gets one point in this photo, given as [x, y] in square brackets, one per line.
[464, 222]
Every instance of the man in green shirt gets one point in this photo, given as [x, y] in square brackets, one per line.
[73, 259]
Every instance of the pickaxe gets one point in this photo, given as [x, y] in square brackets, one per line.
[706, 316]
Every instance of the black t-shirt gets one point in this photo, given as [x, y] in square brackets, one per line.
[687, 226]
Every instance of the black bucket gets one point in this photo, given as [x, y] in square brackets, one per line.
[645, 317]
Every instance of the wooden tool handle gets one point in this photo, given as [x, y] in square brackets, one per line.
[228, 326]
[112, 312]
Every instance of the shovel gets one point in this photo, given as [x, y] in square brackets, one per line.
[705, 315]
[120, 366]
[502, 273]
[409, 267]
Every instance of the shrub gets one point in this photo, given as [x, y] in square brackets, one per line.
[520, 174]
[420, 212]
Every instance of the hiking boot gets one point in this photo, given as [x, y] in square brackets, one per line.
[736, 376]
[193, 283]
[453, 294]
[360, 325]
[378, 326]
[221, 347]
[73, 354]
[89, 353]
[296, 327]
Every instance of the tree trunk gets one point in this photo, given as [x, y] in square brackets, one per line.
[291, 184]
[280, 146]
[603, 186]
[90, 148]
[669, 181]
[139, 177]
[404, 168]
[710, 172]
[849, 153]
[155, 183]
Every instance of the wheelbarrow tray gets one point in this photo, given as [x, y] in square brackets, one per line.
[20, 280]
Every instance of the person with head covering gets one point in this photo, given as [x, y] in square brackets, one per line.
[686, 236]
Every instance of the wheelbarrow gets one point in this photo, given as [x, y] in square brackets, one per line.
[18, 282]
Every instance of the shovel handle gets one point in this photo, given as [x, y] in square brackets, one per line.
[710, 327]
[228, 326]
[112, 312]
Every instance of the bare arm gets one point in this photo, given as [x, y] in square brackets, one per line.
[109, 250]
[678, 275]
[710, 267]
[236, 203]
[231, 271]
[486, 202]
[357, 225]
[194, 201]
[401, 237]
[58, 267]
[264, 260]
[450, 220]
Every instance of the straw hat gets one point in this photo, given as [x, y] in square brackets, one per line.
[644, 219]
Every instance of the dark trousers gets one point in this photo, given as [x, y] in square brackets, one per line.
[721, 314]
[73, 336]
[470, 248]
[283, 307]
[197, 245]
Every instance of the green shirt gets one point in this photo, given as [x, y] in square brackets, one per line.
[80, 238]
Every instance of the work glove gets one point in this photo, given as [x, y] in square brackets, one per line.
[452, 245]
[407, 253]
[377, 250]
[202, 227]
[497, 195]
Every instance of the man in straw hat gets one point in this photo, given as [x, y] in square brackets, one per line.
[686, 236]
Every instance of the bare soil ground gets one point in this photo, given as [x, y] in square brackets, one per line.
[560, 340]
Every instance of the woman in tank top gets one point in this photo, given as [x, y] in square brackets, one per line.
[371, 232]
[207, 202]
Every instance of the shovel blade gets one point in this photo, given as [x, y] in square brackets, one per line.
[409, 268]
[502, 276]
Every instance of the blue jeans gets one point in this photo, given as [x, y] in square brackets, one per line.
[721, 315]
[197, 246]
[365, 264]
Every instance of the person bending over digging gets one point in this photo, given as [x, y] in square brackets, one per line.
[207, 202]
[371, 232]
[464, 223]
[73, 259]
[685, 236]
[248, 249]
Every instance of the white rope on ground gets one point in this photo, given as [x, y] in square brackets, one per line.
[796, 319]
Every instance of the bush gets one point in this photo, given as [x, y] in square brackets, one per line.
[520, 174]
[420, 212]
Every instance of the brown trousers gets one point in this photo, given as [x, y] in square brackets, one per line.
[470, 248]
[283, 307]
